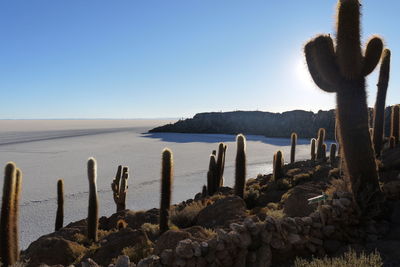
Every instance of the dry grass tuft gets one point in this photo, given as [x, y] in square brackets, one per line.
[187, 216]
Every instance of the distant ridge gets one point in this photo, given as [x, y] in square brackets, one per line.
[304, 123]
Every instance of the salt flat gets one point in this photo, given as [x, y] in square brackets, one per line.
[47, 150]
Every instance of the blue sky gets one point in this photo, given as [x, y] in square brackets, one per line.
[170, 58]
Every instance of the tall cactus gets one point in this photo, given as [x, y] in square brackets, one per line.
[17, 196]
[332, 153]
[8, 248]
[277, 166]
[60, 205]
[219, 181]
[93, 211]
[342, 69]
[119, 187]
[240, 165]
[293, 148]
[167, 170]
[313, 154]
[395, 123]
[212, 176]
[320, 144]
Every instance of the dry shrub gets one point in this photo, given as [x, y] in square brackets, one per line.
[138, 252]
[338, 185]
[187, 216]
[349, 259]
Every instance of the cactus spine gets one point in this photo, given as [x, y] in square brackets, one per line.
[167, 170]
[93, 211]
[394, 125]
[119, 187]
[342, 69]
[332, 153]
[379, 110]
[240, 165]
[278, 163]
[60, 205]
[313, 155]
[8, 248]
[320, 144]
[293, 148]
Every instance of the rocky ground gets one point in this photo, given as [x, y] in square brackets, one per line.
[271, 226]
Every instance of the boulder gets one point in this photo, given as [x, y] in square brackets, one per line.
[222, 212]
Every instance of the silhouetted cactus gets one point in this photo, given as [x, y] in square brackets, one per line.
[379, 110]
[119, 187]
[320, 143]
[93, 211]
[219, 181]
[395, 123]
[313, 154]
[212, 176]
[332, 153]
[167, 170]
[277, 166]
[293, 148]
[17, 196]
[240, 165]
[342, 69]
[8, 248]
[60, 205]
[204, 191]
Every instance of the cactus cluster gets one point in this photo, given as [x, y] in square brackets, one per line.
[293, 138]
[9, 248]
[240, 165]
[119, 187]
[215, 174]
[341, 67]
[167, 170]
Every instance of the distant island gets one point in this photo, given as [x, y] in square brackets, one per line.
[304, 123]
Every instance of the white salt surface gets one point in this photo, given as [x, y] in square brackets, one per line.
[47, 150]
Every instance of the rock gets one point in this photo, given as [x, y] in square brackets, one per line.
[307, 220]
[316, 241]
[52, 251]
[345, 202]
[89, 263]
[222, 212]
[169, 240]
[184, 249]
[245, 240]
[294, 239]
[264, 257]
[331, 246]
[119, 240]
[328, 230]
[167, 257]
[123, 261]
[295, 202]
[151, 261]
[277, 243]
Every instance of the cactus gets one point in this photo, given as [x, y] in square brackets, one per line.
[204, 191]
[379, 110]
[119, 187]
[60, 205]
[8, 248]
[240, 165]
[278, 163]
[394, 124]
[17, 195]
[342, 69]
[332, 153]
[93, 211]
[212, 176]
[320, 143]
[167, 170]
[219, 181]
[313, 155]
[293, 148]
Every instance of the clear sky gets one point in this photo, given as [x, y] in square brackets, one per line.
[170, 58]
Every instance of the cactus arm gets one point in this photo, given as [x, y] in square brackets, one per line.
[320, 58]
[379, 110]
[348, 44]
[373, 54]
